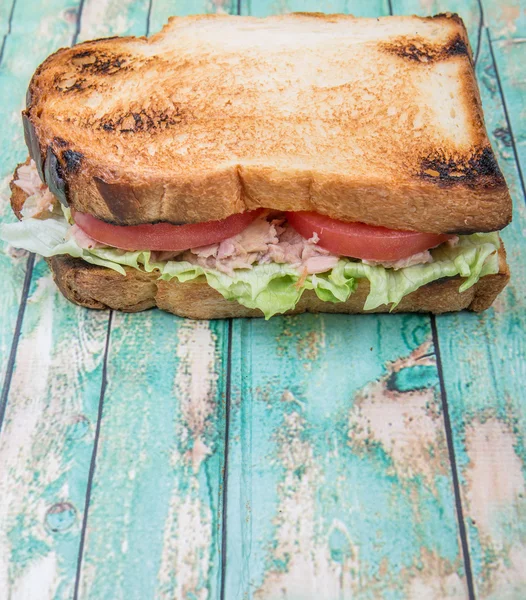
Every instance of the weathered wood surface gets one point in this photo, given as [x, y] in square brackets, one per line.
[142, 456]
[154, 522]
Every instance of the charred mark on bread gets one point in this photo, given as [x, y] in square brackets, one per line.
[72, 160]
[32, 144]
[119, 198]
[55, 177]
[95, 62]
[143, 120]
[448, 15]
[480, 170]
[89, 64]
[69, 83]
[419, 50]
[458, 47]
[60, 142]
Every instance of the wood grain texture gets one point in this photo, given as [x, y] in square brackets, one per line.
[510, 56]
[46, 443]
[154, 525]
[339, 482]
[484, 362]
[35, 32]
[483, 356]
[46, 432]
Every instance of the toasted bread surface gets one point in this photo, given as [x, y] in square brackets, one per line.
[372, 120]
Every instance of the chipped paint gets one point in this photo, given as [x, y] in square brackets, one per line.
[195, 385]
[35, 436]
[407, 424]
[436, 581]
[308, 564]
[186, 549]
[491, 488]
[188, 536]
[482, 355]
[496, 503]
[17, 68]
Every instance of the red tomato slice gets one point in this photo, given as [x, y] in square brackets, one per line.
[363, 241]
[164, 236]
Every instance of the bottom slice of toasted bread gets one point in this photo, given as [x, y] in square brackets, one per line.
[99, 287]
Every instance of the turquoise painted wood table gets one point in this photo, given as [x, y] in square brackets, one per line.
[313, 457]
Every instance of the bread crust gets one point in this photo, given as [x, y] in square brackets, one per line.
[346, 126]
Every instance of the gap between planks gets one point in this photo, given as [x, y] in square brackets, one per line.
[228, 394]
[453, 463]
[16, 337]
[149, 17]
[93, 460]
[9, 24]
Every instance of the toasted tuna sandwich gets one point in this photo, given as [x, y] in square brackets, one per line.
[237, 166]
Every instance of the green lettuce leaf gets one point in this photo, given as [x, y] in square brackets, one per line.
[473, 257]
[273, 288]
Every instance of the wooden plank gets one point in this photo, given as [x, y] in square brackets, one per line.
[46, 443]
[162, 9]
[161, 450]
[484, 362]
[261, 8]
[339, 481]
[35, 32]
[161, 455]
[47, 439]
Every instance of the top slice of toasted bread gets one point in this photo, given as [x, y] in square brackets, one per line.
[372, 120]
